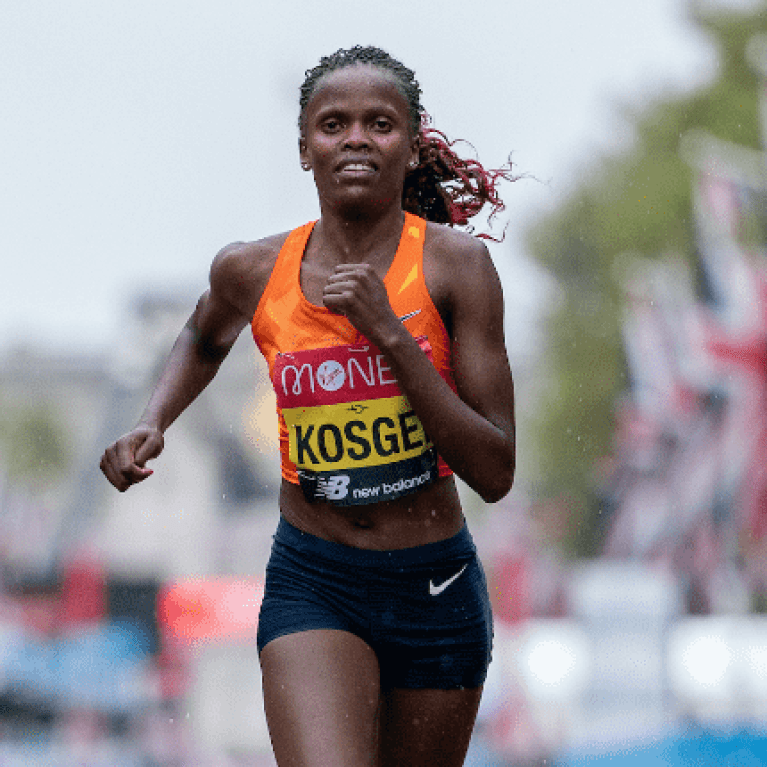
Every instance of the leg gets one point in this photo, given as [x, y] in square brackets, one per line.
[321, 697]
[426, 728]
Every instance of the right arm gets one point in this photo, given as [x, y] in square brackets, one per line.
[221, 314]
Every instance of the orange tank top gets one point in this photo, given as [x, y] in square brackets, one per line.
[347, 433]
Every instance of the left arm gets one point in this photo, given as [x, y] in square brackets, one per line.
[474, 432]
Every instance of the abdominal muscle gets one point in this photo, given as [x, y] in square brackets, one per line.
[429, 515]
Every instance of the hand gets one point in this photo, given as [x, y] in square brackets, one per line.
[123, 463]
[357, 292]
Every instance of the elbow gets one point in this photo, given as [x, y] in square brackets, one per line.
[496, 493]
[207, 350]
[499, 485]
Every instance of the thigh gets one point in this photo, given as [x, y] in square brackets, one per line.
[435, 630]
[321, 697]
[421, 728]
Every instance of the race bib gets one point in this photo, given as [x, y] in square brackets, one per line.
[353, 436]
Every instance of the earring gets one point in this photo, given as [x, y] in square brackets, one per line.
[306, 166]
[412, 164]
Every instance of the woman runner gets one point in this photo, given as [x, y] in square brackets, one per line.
[383, 330]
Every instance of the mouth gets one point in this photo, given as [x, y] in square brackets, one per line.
[356, 168]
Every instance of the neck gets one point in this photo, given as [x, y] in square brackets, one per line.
[359, 239]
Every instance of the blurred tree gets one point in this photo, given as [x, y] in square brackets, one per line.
[638, 201]
[33, 449]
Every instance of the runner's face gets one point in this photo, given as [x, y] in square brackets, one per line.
[357, 138]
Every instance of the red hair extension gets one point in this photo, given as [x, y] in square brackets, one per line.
[449, 189]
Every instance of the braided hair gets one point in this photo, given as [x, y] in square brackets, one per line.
[443, 187]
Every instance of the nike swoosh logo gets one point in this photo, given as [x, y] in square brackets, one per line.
[436, 590]
[408, 316]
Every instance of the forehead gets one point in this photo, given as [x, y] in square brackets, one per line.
[360, 83]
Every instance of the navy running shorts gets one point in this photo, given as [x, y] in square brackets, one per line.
[425, 611]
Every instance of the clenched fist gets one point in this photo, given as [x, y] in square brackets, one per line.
[124, 462]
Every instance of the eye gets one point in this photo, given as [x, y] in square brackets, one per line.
[331, 125]
[382, 124]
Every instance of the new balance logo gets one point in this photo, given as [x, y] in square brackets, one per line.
[333, 488]
[436, 590]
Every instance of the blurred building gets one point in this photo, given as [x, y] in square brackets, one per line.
[84, 568]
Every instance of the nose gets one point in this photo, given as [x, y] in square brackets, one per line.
[356, 136]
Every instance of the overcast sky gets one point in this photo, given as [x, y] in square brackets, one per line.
[137, 138]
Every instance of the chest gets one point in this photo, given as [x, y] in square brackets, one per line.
[425, 281]
[313, 277]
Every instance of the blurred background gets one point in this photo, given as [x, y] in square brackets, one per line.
[628, 567]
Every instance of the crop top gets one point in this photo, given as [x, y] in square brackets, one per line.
[347, 433]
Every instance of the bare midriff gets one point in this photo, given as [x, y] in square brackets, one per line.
[429, 515]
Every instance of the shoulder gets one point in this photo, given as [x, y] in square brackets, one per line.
[453, 242]
[240, 270]
[457, 263]
[243, 260]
